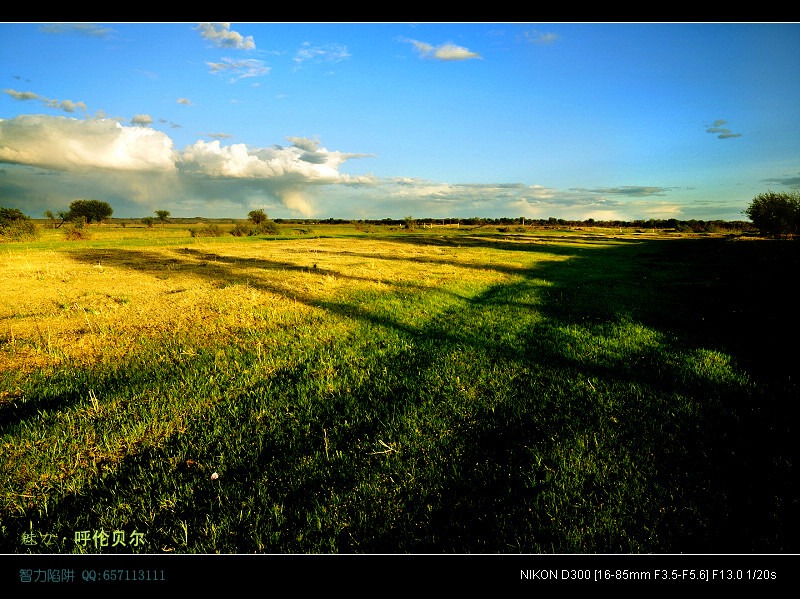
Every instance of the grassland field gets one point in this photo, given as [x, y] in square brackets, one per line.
[344, 389]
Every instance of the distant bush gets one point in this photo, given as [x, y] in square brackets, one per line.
[241, 230]
[269, 227]
[149, 221]
[10, 215]
[16, 226]
[362, 226]
[208, 230]
[76, 230]
[247, 229]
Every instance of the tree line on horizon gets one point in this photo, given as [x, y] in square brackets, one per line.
[552, 222]
[772, 214]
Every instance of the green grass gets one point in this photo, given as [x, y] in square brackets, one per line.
[419, 393]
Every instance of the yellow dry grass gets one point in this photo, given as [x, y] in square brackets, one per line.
[84, 302]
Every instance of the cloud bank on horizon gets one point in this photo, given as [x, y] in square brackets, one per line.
[128, 156]
[601, 167]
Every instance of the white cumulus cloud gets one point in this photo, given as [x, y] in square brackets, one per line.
[139, 164]
[220, 34]
[64, 143]
[237, 160]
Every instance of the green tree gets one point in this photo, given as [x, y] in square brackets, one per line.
[775, 214]
[8, 216]
[411, 224]
[162, 216]
[257, 216]
[16, 225]
[262, 224]
[89, 210]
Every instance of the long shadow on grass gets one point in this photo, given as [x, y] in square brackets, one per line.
[503, 469]
[208, 266]
[454, 247]
[723, 456]
[223, 270]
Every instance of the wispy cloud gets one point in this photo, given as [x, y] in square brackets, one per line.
[239, 69]
[445, 52]
[720, 131]
[22, 96]
[220, 35]
[625, 190]
[171, 125]
[789, 181]
[540, 37]
[184, 101]
[65, 105]
[532, 201]
[327, 53]
[85, 29]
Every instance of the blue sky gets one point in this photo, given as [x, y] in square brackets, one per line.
[619, 121]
